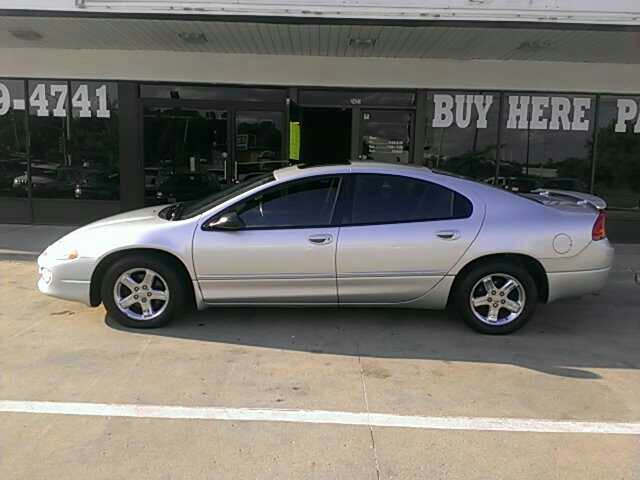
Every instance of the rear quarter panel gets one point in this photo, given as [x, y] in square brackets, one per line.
[518, 225]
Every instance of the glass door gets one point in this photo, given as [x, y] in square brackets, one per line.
[385, 135]
[258, 143]
[186, 153]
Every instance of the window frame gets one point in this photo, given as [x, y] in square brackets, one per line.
[345, 206]
[332, 222]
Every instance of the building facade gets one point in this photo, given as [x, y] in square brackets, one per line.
[112, 105]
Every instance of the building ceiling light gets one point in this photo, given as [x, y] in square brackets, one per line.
[193, 38]
[362, 42]
[28, 35]
[534, 46]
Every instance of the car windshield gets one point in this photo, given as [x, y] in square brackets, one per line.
[192, 209]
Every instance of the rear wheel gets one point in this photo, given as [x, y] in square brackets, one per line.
[497, 297]
[142, 292]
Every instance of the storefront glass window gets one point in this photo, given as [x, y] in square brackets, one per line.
[74, 140]
[185, 153]
[386, 135]
[94, 142]
[617, 177]
[52, 174]
[462, 133]
[546, 142]
[13, 165]
[258, 143]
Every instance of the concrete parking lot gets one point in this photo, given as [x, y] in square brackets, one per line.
[578, 361]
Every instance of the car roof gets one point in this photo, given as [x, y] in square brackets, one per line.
[348, 167]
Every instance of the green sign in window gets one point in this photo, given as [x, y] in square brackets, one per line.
[294, 140]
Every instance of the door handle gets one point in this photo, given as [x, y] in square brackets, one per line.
[448, 234]
[322, 239]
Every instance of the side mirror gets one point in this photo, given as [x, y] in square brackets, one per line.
[228, 221]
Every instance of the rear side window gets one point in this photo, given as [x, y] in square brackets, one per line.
[394, 199]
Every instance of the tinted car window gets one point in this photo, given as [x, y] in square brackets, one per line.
[207, 203]
[301, 203]
[394, 199]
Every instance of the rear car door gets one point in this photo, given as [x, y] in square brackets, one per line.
[285, 253]
[399, 237]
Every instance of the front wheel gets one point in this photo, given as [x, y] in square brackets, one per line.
[141, 292]
[497, 297]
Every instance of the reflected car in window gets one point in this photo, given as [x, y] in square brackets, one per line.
[48, 180]
[98, 186]
[515, 184]
[571, 184]
[348, 234]
[184, 187]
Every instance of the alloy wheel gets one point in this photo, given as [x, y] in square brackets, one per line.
[141, 294]
[497, 299]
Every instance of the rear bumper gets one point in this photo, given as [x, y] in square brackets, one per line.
[576, 284]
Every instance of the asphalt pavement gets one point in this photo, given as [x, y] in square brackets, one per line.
[305, 393]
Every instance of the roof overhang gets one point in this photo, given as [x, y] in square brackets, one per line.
[587, 12]
[508, 42]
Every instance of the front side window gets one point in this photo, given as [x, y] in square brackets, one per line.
[302, 203]
[394, 199]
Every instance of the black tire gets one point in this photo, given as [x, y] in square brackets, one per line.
[463, 292]
[168, 275]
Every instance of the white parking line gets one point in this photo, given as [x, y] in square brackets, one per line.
[319, 416]
[6, 251]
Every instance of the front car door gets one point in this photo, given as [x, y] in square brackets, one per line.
[399, 237]
[284, 253]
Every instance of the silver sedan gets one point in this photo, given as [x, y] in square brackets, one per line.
[346, 234]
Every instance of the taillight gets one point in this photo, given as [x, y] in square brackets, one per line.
[599, 231]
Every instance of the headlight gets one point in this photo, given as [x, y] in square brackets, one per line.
[61, 253]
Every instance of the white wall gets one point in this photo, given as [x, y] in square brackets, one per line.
[564, 11]
[318, 71]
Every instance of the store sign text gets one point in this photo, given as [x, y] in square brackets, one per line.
[627, 112]
[54, 100]
[460, 109]
[523, 112]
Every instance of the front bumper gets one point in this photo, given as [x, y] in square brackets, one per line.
[66, 279]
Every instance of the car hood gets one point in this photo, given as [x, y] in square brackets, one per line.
[134, 217]
[125, 229]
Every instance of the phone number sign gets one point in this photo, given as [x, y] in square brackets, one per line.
[53, 99]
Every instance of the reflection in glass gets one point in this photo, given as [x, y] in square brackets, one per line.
[536, 156]
[94, 143]
[386, 136]
[52, 173]
[617, 177]
[464, 141]
[185, 153]
[13, 165]
[618, 157]
[258, 143]
[74, 140]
